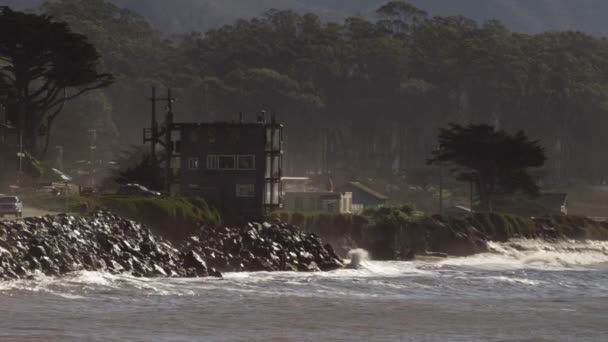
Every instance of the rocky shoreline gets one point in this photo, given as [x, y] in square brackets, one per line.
[395, 233]
[57, 245]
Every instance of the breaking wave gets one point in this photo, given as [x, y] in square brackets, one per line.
[524, 253]
[518, 268]
[358, 257]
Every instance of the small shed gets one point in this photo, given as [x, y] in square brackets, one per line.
[296, 184]
[329, 202]
[363, 196]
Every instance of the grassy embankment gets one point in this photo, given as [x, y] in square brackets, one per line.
[396, 233]
[174, 217]
[387, 232]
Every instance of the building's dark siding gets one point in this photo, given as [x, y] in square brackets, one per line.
[217, 186]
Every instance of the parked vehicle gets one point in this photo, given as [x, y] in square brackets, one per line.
[88, 191]
[11, 205]
[48, 189]
[136, 190]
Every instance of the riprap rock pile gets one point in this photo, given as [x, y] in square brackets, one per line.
[56, 245]
[260, 247]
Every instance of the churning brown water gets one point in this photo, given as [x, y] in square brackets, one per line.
[523, 291]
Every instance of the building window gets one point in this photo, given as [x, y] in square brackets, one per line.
[246, 162]
[245, 190]
[193, 163]
[230, 162]
[212, 162]
[226, 162]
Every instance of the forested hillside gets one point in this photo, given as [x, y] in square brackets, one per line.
[518, 15]
[358, 97]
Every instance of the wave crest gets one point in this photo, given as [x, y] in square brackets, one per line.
[357, 258]
[523, 253]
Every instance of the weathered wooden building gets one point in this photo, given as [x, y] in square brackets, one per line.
[236, 167]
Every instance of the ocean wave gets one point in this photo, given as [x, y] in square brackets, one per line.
[512, 266]
[525, 253]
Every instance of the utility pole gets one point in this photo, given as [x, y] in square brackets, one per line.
[441, 188]
[168, 142]
[21, 123]
[2, 136]
[162, 136]
[471, 195]
[154, 124]
[92, 161]
[438, 152]
[60, 157]
[20, 154]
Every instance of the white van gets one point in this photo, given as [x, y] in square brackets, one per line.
[11, 205]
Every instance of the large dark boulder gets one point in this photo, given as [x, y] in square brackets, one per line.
[194, 261]
[37, 251]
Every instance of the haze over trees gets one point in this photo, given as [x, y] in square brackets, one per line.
[531, 16]
[359, 97]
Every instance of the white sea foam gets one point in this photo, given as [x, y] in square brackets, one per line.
[364, 278]
[522, 253]
[358, 258]
[91, 278]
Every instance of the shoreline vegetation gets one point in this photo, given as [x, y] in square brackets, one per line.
[173, 217]
[399, 233]
[388, 233]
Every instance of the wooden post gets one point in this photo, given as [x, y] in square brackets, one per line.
[168, 142]
[154, 126]
[471, 195]
[440, 188]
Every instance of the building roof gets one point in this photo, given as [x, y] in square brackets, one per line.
[311, 193]
[295, 178]
[319, 194]
[456, 210]
[368, 190]
[229, 124]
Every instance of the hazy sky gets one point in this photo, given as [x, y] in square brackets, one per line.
[520, 15]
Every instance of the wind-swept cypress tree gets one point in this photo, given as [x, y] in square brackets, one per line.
[42, 66]
[496, 161]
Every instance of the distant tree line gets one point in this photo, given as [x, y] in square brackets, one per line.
[360, 97]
